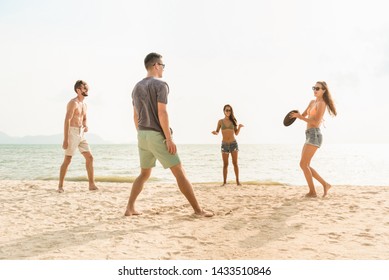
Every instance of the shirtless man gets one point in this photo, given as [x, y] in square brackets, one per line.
[74, 129]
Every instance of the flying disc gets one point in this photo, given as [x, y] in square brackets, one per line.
[288, 120]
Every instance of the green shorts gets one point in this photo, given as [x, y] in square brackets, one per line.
[152, 147]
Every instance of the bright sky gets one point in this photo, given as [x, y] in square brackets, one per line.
[260, 56]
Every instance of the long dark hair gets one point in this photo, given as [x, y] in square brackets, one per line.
[328, 99]
[232, 117]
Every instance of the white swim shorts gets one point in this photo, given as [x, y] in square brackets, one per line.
[76, 140]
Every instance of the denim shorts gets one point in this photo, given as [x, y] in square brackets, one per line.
[229, 147]
[313, 137]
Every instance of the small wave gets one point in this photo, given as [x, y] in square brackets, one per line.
[249, 183]
[263, 183]
[104, 179]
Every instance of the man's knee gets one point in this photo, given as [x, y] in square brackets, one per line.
[88, 157]
[145, 174]
[178, 171]
[67, 160]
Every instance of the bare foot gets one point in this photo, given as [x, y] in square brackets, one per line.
[93, 188]
[204, 213]
[224, 184]
[60, 190]
[238, 184]
[326, 189]
[311, 195]
[132, 213]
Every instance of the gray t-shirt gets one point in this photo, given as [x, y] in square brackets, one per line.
[145, 97]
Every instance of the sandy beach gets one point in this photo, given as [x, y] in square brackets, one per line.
[251, 222]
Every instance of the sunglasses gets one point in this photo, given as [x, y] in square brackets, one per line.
[316, 88]
[163, 65]
[228, 110]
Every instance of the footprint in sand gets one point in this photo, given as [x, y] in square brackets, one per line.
[334, 235]
[369, 193]
[308, 249]
[185, 237]
[353, 208]
[365, 235]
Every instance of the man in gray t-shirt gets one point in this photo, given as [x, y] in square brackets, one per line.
[145, 98]
[155, 142]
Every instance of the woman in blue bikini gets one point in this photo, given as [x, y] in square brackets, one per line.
[230, 128]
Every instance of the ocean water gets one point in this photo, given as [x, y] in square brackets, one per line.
[339, 164]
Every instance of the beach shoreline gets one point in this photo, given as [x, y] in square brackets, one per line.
[272, 222]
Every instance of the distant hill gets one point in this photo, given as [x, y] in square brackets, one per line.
[46, 139]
